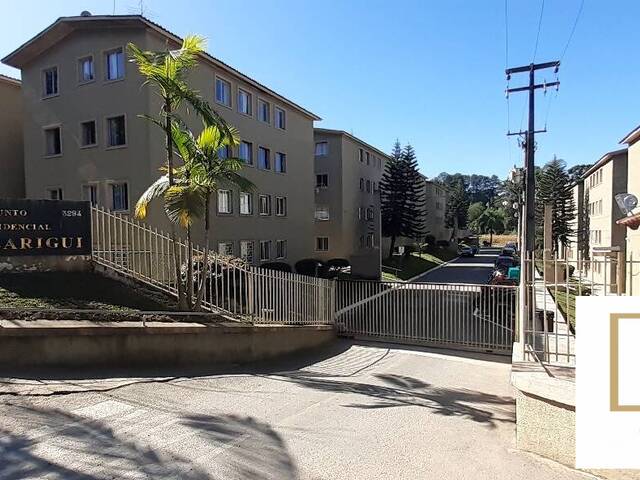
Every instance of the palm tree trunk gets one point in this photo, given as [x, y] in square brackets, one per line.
[172, 232]
[189, 292]
[205, 268]
[491, 238]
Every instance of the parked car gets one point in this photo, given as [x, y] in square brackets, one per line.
[504, 262]
[508, 252]
[465, 250]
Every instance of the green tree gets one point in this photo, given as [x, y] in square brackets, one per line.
[167, 71]
[402, 197]
[491, 221]
[474, 211]
[457, 207]
[577, 171]
[553, 189]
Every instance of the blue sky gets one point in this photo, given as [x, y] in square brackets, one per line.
[427, 72]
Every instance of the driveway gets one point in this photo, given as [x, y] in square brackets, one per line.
[358, 411]
[473, 270]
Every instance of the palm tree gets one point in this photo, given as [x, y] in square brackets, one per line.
[491, 221]
[188, 199]
[166, 71]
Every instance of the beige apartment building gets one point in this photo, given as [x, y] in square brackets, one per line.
[84, 138]
[632, 141]
[436, 197]
[600, 184]
[11, 152]
[347, 201]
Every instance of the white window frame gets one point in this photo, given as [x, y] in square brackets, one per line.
[267, 243]
[276, 121]
[249, 255]
[45, 129]
[44, 82]
[259, 113]
[105, 56]
[249, 102]
[249, 203]
[55, 188]
[95, 186]
[80, 65]
[268, 167]
[107, 132]
[111, 184]
[215, 91]
[320, 184]
[283, 157]
[229, 196]
[249, 161]
[226, 248]
[281, 202]
[322, 213]
[95, 133]
[281, 249]
[325, 151]
[323, 240]
[268, 198]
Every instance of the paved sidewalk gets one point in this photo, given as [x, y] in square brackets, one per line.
[358, 412]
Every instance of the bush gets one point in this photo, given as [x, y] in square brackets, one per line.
[430, 240]
[277, 266]
[309, 266]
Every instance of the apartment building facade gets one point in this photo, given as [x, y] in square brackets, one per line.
[11, 151]
[347, 201]
[632, 141]
[606, 239]
[82, 102]
[436, 198]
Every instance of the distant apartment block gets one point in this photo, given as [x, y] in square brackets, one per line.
[632, 141]
[11, 151]
[82, 99]
[600, 184]
[436, 198]
[347, 201]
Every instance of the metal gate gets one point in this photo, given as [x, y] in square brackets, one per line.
[470, 317]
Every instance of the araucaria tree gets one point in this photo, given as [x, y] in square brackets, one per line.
[402, 196]
[553, 189]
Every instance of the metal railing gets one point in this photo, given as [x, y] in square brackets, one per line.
[549, 328]
[474, 317]
[145, 254]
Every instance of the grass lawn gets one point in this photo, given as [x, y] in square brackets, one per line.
[499, 240]
[85, 291]
[414, 264]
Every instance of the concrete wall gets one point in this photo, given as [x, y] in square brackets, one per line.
[633, 236]
[156, 344]
[46, 263]
[11, 154]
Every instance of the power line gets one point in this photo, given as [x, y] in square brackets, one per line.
[535, 50]
[573, 29]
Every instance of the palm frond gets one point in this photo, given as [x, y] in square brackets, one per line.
[156, 190]
[184, 203]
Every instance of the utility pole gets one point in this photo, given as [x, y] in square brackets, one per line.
[527, 241]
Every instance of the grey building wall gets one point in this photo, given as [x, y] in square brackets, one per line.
[11, 154]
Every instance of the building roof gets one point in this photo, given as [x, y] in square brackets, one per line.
[10, 80]
[356, 139]
[632, 137]
[606, 158]
[63, 26]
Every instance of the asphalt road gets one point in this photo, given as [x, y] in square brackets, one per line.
[473, 270]
[356, 411]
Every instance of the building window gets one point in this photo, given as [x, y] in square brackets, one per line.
[360, 213]
[264, 204]
[90, 194]
[370, 213]
[281, 118]
[264, 111]
[244, 102]
[246, 152]
[322, 244]
[119, 196]
[54, 193]
[368, 186]
[115, 64]
[281, 206]
[264, 158]
[375, 187]
[322, 180]
[224, 151]
[86, 71]
[225, 248]
[362, 184]
[246, 203]
[370, 240]
[368, 158]
[265, 250]
[281, 162]
[281, 248]
[53, 141]
[361, 155]
[88, 133]
[322, 149]
[223, 92]
[246, 250]
[224, 201]
[50, 82]
[322, 213]
[116, 131]
[361, 241]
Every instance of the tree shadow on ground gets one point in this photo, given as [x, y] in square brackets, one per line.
[253, 449]
[58, 445]
[403, 391]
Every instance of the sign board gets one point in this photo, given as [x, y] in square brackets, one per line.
[44, 227]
